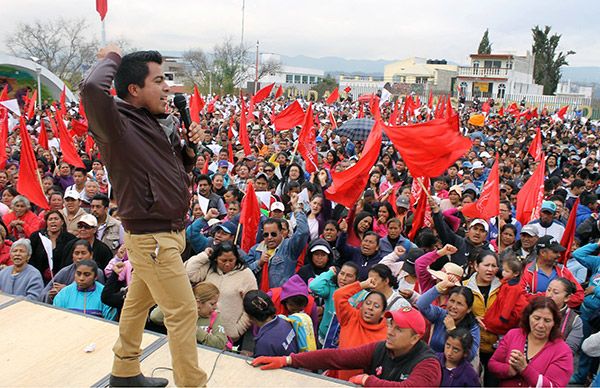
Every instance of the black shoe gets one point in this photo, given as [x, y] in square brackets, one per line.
[138, 381]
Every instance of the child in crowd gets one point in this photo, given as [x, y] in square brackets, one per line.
[209, 329]
[457, 371]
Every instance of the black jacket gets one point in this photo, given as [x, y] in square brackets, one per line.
[60, 254]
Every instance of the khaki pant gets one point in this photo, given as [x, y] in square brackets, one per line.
[159, 277]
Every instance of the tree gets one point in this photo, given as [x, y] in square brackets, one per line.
[327, 84]
[485, 47]
[61, 46]
[546, 70]
[198, 68]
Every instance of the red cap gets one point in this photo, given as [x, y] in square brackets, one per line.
[408, 318]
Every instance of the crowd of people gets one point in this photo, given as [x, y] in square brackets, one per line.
[336, 290]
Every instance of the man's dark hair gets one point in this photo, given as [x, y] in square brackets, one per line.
[204, 177]
[577, 183]
[81, 170]
[103, 198]
[275, 221]
[134, 70]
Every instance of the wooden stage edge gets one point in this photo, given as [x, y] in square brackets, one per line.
[42, 345]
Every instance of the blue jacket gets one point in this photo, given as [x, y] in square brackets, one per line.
[282, 264]
[436, 315]
[583, 213]
[385, 246]
[585, 256]
[87, 302]
[349, 253]
[464, 375]
[27, 283]
[276, 338]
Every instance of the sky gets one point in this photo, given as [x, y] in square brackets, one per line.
[352, 29]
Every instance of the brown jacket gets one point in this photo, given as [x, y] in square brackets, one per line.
[148, 171]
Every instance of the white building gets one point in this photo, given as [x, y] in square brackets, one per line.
[498, 76]
[574, 90]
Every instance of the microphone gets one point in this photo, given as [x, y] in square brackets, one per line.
[181, 105]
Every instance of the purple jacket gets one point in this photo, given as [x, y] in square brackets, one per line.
[553, 364]
[464, 375]
[276, 338]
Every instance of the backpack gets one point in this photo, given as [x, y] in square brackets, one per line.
[305, 332]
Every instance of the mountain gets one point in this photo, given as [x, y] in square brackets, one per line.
[581, 74]
[337, 64]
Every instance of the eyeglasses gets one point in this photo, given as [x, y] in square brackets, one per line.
[85, 226]
[273, 234]
[269, 170]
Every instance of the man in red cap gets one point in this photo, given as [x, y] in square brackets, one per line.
[403, 357]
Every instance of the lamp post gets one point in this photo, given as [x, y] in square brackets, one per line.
[38, 71]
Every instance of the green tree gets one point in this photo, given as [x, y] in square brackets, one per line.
[485, 47]
[546, 70]
[327, 84]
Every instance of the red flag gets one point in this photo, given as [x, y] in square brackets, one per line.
[449, 110]
[374, 108]
[66, 144]
[347, 89]
[569, 234]
[513, 109]
[82, 110]
[53, 126]
[531, 195]
[243, 131]
[348, 185]
[419, 197]
[30, 184]
[289, 117]
[562, 112]
[79, 127]
[43, 138]
[488, 204]
[439, 111]
[211, 105]
[429, 148]
[4, 95]
[249, 218]
[262, 93]
[3, 136]
[89, 145]
[501, 111]
[63, 101]
[535, 148]
[205, 167]
[307, 142]
[485, 108]
[534, 113]
[395, 113]
[31, 106]
[102, 8]
[430, 100]
[279, 92]
[332, 119]
[361, 112]
[333, 97]
[196, 105]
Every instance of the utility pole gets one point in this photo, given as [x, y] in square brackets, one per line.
[256, 77]
[243, 10]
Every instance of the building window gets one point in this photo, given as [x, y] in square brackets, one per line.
[492, 64]
[304, 79]
[501, 91]
[421, 80]
[289, 78]
[297, 79]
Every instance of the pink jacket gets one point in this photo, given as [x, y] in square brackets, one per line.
[552, 366]
[426, 281]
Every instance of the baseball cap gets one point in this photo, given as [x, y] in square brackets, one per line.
[472, 187]
[261, 175]
[277, 206]
[549, 242]
[73, 194]
[549, 206]
[319, 139]
[478, 164]
[467, 165]
[223, 163]
[320, 247]
[408, 265]
[403, 202]
[485, 154]
[227, 227]
[530, 230]
[479, 221]
[88, 219]
[250, 157]
[457, 189]
[408, 318]
[448, 268]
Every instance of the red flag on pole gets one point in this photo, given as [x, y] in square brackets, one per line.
[262, 94]
[562, 112]
[332, 119]
[82, 110]
[419, 198]
[485, 108]
[243, 131]
[4, 95]
[307, 142]
[279, 92]
[333, 97]
[3, 136]
[535, 148]
[89, 145]
[66, 144]
[429, 148]
[31, 106]
[569, 234]
[374, 108]
[249, 218]
[439, 108]
[30, 184]
[430, 100]
[348, 185]
[63, 101]
[449, 110]
[501, 111]
[43, 138]
[395, 113]
[196, 105]
[289, 117]
[102, 8]
[488, 204]
[531, 195]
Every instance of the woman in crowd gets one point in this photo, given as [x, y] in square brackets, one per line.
[386, 283]
[362, 325]
[50, 244]
[394, 238]
[330, 234]
[20, 278]
[374, 182]
[361, 224]
[458, 313]
[506, 239]
[8, 194]
[84, 293]
[320, 211]
[384, 213]
[457, 371]
[534, 354]
[21, 221]
[505, 218]
[225, 268]
[318, 259]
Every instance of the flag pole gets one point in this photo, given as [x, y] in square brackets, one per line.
[103, 33]
[237, 232]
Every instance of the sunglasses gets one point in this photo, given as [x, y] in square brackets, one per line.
[85, 226]
[273, 234]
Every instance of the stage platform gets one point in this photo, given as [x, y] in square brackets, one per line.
[42, 345]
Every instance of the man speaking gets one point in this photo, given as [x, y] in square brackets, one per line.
[148, 166]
